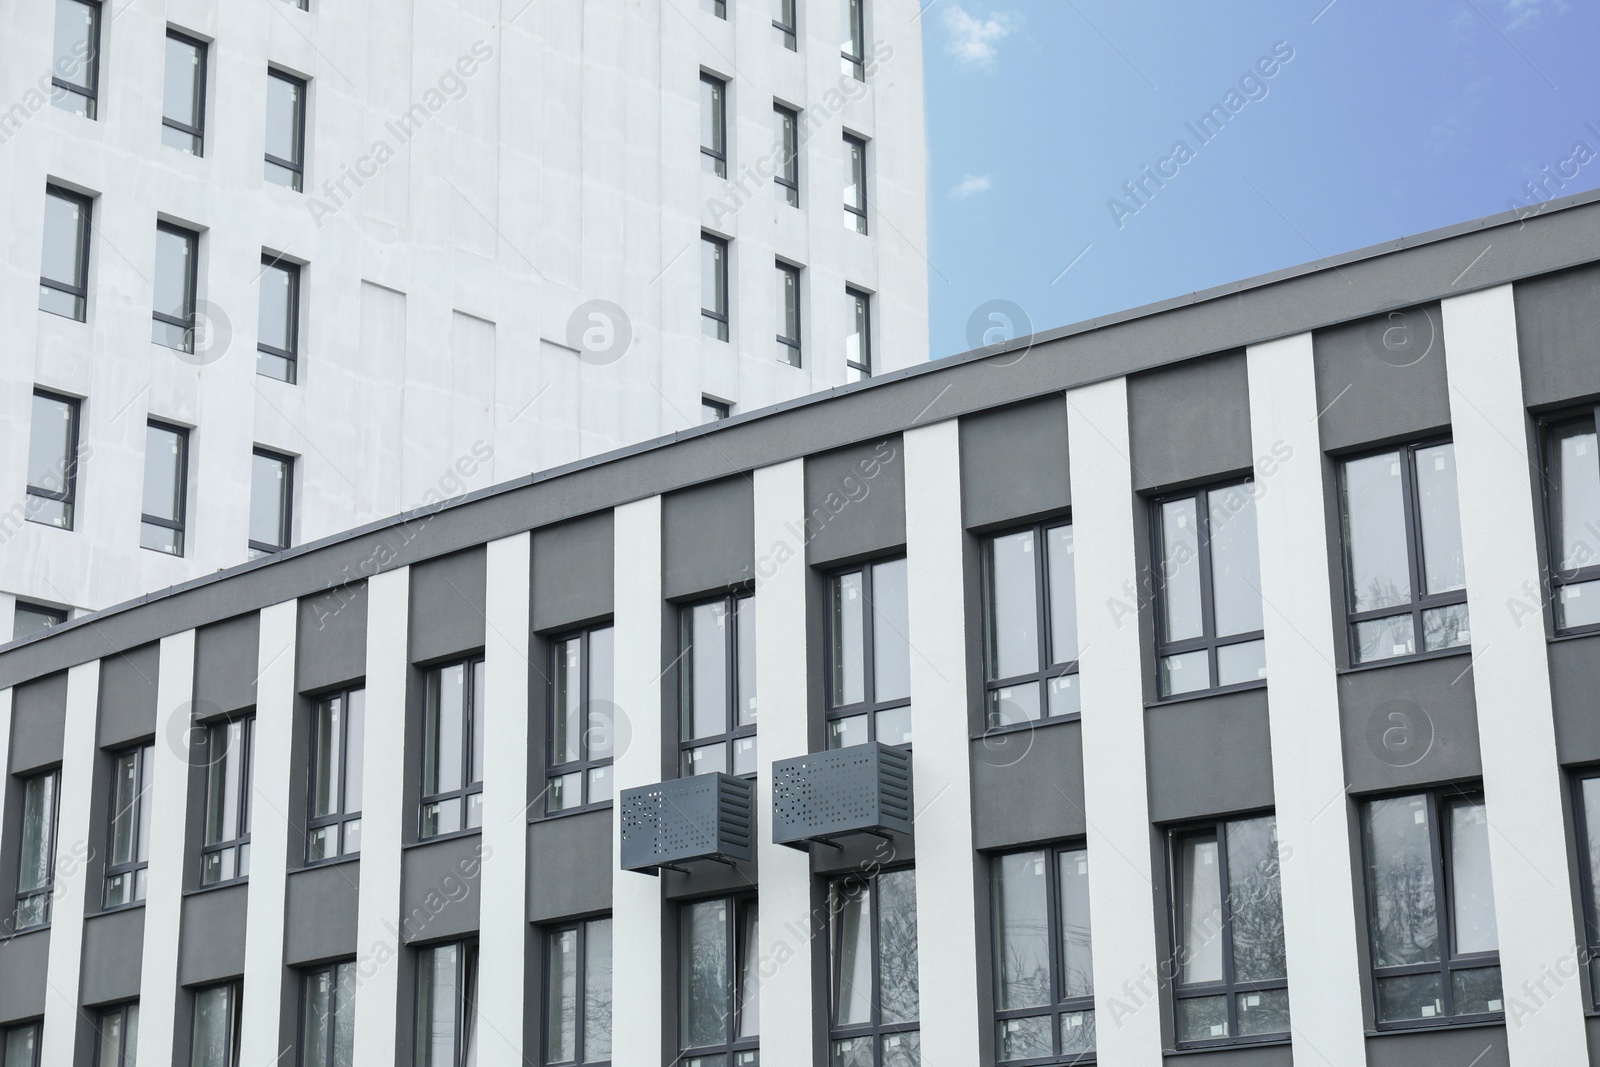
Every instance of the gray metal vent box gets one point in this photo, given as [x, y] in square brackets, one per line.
[860, 789]
[706, 817]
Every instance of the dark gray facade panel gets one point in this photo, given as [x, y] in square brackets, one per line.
[128, 696]
[1027, 786]
[1592, 1027]
[320, 913]
[709, 879]
[113, 956]
[708, 538]
[25, 962]
[1409, 724]
[573, 565]
[1558, 336]
[1382, 378]
[38, 722]
[855, 502]
[211, 946]
[569, 866]
[1574, 681]
[225, 655]
[863, 853]
[1187, 741]
[1257, 1056]
[448, 605]
[1014, 463]
[331, 638]
[1479, 1046]
[1189, 422]
[439, 888]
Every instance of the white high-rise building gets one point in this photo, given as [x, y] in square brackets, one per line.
[275, 269]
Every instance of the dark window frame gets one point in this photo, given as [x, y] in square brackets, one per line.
[296, 167]
[719, 8]
[1560, 577]
[791, 350]
[1229, 987]
[585, 762]
[1420, 603]
[307, 975]
[1583, 827]
[239, 843]
[464, 993]
[719, 315]
[167, 122]
[1208, 641]
[340, 817]
[47, 889]
[856, 152]
[469, 789]
[59, 615]
[732, 731]
[78, 288]
[788, 24]
[191, 282]
[286, 519]
[290, 355]
[37, 1026]
[1042, 625]
[125, 1052]
[855, 63]
[787, 175]
[1443, 881]
[717, 150]
[717, 409]
[143, 756]
[89, 92]
[180, 525]
[736, 908]
[552, 935]
[860, 298]
[235, 1019]
[869, 705]
[876, 1028]
[68, 494]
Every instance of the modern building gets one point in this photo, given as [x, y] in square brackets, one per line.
[277, 269]
[1214, 684]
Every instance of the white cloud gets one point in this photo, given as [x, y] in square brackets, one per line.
[971, 186]
[972, 41]
[1522, 12]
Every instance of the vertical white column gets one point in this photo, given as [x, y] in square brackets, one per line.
[503, 881]
[1319, 925]
[787, 1038]
[382, 798]
[636, 898]
[169, 805]
[261, 1005]
[1511, 680]
[947, 951]
[1116, 800]
[72, 842]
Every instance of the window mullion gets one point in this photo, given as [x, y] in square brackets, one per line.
[1041, 608]
[1226, 932]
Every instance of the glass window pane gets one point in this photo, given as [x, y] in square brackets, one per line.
[1200, 925]
[706, 670]
[437, 1018]
[1202, 1018]
[476, 766]
[1242, 662]
[1377, 564]
[1077, 955]
[316, 1018]
[1446, 628]
[38, 832]
[897, 946]
[1471, 886]
[123, 826]
[174, 271]
[1013, 605]
[704, 982]
[212, 1045]
[891, 629]
[1022, 932]
[1180, 570]
[163, 472]
[1476, 991]
[184, 83]
[567, 742]
[51, 443]
[1014, 704]
[344, 1016]
[1402, 910]
[1591, 824]
[852, 953]
[1575, 493]
[1385, 638]
[745, 708]
[848, 639]
[1415, 996]
[1443, 566]
[1063, 596]
[893, 727]
[442, 759]
[1187, 672]
[601, 735]
[1235, 560]
[275, 327]
[269, 500]
[354, 758]
[713, 277]
[561, 998]
[76, 42]
[1578, 605]
[64, 221]
[1027, 1039]
[597, 991]
[328, 741]
[284, 118]
[1257, 905]
[843, 733]
[748, 1001]
[857, 340]
[110, 1040]
[1264, 1012]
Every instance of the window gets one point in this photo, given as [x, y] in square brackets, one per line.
[787, 176]
[225, 855]
[338, 731]
[166, 487]
[1404, 569]
[1032, 631]
[788, 288]
[714, 287]
[286, 130]
[328, 1015]
[718, 690]
[75, 71]
[303, 5]
[117, 1031]
[1043, 962]
[53, 460]
[719, 984]
[1572, 501]
[64, 269]
[713, 125]
[713, 410]
[1430, 908]
[177, 256]
[183, 98]
[873, 1009]
[271, 501]
[278, 331]
[1587, 812]
[785, 24]
[1230, 978]
[853, 51]
[855, 184]
[37, 864]
[20, 1047]
[869, 667]
[129, 851]
[216, 1027]
[447, 996]
[578, 995]
[32, 619]
[858, 342]
[452, 750]
[1208, 608]
[582, 730]
[718, 8]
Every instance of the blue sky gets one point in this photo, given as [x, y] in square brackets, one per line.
[1389, 119]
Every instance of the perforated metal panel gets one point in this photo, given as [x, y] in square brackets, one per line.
[707, 817]
[864, 788]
